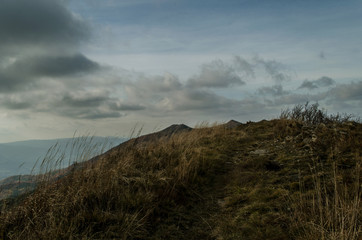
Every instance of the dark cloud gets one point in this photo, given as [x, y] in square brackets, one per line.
[88, 113]
[347, 92]
[15, 104]
[9, 83]
[325, 81]
[39, 22]
[81, 100]
[98, 114]
[276, 70]
[321, 82]
[216, 74]
[94, 104]
[308, 84]
[126, 107]
[54, 66]
[244, 66]
[276, 90]
[67, 89]
[23, 73]
[40, 39]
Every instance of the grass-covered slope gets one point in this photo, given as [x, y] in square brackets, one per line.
[279, 179]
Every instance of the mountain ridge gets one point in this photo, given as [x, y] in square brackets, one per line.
[258, 180]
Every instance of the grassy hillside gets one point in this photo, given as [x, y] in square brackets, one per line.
[297, 177]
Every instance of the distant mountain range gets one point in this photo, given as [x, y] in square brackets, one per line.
[19, 158]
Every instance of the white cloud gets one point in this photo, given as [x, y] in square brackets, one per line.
[216, 74]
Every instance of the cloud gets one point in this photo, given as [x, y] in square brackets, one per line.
[89, 113]
[342, 97]
[325, 81]
[54, 66]
[244, 66]
[292, 99]
[347, 92]
[276, 90]
[150, 89]
[216, 74]
[14, 103]
[276, 70]
[167, 82]
[40, 44]
[9, 83]
[92, 104]
[203, 94]
[119, 106]
[308, 84]
[61, 85]
[166, 94]
[321, 82]
[85, 99]
[196, 100]
[85, 105]
[23, 73]
[221, 74]
[39, 22]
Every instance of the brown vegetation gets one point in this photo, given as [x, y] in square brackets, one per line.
[282, 179]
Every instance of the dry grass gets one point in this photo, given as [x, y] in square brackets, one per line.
[327, 204]
[279, 179]
[331, 208]
[117, 196]
[311, 114]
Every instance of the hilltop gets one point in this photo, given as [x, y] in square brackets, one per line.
[287, 178]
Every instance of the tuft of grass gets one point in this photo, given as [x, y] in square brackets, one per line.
[330, 209]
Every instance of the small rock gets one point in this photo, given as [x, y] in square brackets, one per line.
[259, 152]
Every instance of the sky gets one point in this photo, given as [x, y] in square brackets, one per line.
[109, 66]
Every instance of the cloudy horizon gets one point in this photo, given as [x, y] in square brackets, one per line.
[105, 66]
